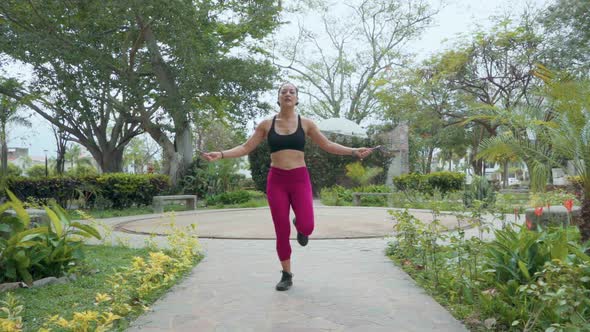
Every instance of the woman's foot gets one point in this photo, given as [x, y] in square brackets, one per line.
[301, 238]
[286, 281]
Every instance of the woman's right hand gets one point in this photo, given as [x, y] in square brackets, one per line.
[211, 156]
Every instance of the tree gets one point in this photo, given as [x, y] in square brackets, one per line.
[73, 155]
[9, 115]
[565, 136]
[140, 153]
[567, 27]
[336, 70]
[141, 66]
[419, 97]
[491, 74]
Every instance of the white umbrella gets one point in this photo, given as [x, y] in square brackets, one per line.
[343, 127]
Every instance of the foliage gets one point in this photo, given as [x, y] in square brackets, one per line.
[118, 69]
[352, 48]
[109, 190]
[36, 171]
[231, 197]
[30, 253]
[443, 182]
[521, 280]
[362, 175]
[10, 314]
[204, 179]
[127, 281]
[13, 170]
[480, 190]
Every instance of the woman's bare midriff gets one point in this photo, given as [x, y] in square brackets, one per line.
[287, 159]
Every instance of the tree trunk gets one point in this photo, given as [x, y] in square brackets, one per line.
[505, 175]
[4, 155]
[429, 161]
[109, 160]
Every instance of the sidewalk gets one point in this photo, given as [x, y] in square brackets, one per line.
[339, 284]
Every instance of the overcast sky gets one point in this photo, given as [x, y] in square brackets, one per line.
[458, 16]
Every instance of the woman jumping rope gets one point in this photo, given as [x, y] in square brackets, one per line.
[288, 183]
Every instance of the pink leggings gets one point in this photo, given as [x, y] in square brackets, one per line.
[285, 189]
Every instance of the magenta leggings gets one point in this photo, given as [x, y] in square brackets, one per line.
[285, 189]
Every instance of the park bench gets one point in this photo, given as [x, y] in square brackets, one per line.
[158, 201]
[356, 197]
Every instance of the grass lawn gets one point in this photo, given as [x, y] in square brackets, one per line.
[78, 295]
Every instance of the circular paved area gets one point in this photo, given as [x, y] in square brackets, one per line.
[256, 223]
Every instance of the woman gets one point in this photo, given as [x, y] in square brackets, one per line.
[288, 183]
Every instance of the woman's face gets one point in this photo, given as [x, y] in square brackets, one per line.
[288, 95]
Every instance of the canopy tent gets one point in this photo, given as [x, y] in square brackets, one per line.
[343, 127]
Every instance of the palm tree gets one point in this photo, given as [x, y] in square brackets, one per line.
[8, 115]
[562, 134]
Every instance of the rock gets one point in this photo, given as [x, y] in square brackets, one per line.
[490, 323]
[45, 282]
[10, 286]
[62, 280]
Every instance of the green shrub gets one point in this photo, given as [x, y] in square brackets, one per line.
[36, 171]
[13, 170]
[117, 190]
[481, 190]
[231, 197]
[29, 253]
[443, 182]
[336, 196]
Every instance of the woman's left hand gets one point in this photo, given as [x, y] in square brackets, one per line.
[362, 153]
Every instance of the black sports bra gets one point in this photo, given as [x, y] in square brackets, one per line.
[294, 141]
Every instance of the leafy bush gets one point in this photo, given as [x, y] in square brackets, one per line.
[481, 190]
[520, 281]
[45, 250]
[125, 190]
[336, 196]
[36, 171]
[204, 179]
[443, 182]
[13, 170]
[117, 190]
[232, 197]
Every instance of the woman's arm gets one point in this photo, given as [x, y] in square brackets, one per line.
[240, 150]
[325, 144]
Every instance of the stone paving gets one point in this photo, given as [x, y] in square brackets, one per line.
[339, 285]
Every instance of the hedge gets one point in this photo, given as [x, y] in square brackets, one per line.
[116, 190]
[444, 182]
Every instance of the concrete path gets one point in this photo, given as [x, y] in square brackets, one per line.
[339, 284]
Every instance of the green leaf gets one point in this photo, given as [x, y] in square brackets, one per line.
[17, 206]
[524, 269]
[26, 275]
[88, 229]
[55, 221]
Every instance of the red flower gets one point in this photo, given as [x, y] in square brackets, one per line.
[529, 224]
[539, 211]
[569, 204]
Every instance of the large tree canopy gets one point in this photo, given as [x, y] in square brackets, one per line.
[112, 69]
